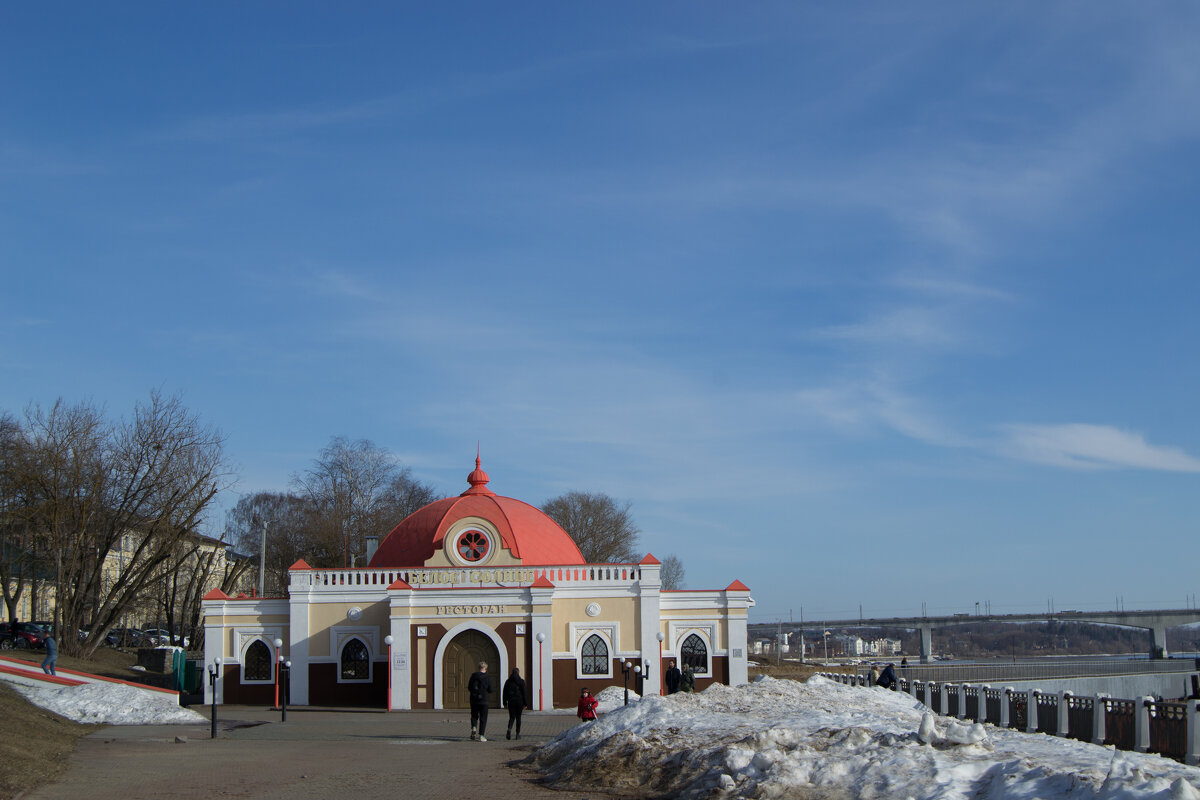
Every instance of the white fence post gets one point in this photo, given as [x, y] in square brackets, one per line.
[962, 701]
[981, 708]
[1005, 702]
[912, 687]
[1141, 726]
[1064, 713]
[945, 699]
[1100, 718]
[1031, 709]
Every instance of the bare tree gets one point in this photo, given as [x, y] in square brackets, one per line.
[671, 572]
[600, 526]
[291, 525]
[18, 538]
[354, 488]
[93, 490]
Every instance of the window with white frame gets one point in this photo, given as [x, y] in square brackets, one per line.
[593, 656]
[694, 653]
[257, 663]
[355, 662]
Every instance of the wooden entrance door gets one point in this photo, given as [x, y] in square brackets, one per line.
[461, 658]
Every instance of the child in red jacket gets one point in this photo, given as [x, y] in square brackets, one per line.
[587, 706]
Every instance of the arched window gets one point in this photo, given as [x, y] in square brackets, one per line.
[258, 662]
[694, 653]
[356, 664]
[594, 656]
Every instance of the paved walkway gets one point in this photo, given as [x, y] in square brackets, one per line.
[316, 754]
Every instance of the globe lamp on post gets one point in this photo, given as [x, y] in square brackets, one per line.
[541, 637]
[661, 676]
[278, 664]
[213, 669]
[625, 668]
[287, 671]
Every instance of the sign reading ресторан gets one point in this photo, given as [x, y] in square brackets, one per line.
[462, 611]
[500, 577]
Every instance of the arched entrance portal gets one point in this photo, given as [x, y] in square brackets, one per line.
[461, 658]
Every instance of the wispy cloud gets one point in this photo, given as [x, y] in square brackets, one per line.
[926, 327]
[1081, 446]
[863, 406]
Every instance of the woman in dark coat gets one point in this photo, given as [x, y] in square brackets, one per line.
[514, 699]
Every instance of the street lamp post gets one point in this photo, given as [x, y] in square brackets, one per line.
[826, 648]
[388, 641]
[625, 669]
[541, 637]
[287, 671]
[278, 664]
[212, 690]
[661, 676]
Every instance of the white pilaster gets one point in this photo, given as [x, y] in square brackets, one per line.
[298, 637]
[541, 681]
[649, 622]
[401, 662]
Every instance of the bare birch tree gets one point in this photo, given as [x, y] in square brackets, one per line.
[89, 484]
[355, 489]
[672, 574]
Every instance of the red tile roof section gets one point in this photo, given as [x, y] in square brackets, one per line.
[525, 531]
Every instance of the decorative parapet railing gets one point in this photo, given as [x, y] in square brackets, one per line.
[367, 578]
[1170, 728]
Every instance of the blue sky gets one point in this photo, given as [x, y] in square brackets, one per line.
[890, 306]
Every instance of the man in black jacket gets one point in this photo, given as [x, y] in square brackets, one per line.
[479, 688]
[514, 699]
[673, 677]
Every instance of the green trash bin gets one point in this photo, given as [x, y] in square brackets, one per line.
[193, 680]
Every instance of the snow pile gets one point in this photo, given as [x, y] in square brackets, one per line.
[109, 704]
[611, 698]
[822, 739]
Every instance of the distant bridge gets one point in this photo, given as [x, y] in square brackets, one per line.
[1156, 622]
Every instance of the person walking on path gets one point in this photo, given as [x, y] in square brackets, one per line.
[587, 706]
[673, 677]
[51, 655]
[687, 681]
[513, 696]
[479, 688]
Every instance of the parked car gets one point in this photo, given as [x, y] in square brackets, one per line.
[124, 637]
[27, 635]
[6, 641]
[156, 637]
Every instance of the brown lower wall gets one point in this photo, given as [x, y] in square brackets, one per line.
[245, 694]
[567, 687]
[324, 690]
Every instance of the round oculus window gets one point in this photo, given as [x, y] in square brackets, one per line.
[472, 545]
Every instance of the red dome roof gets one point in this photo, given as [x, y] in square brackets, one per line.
[527, 532]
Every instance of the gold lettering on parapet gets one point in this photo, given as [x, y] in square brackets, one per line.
[507, 577]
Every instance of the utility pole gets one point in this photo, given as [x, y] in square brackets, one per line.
[262, 560]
